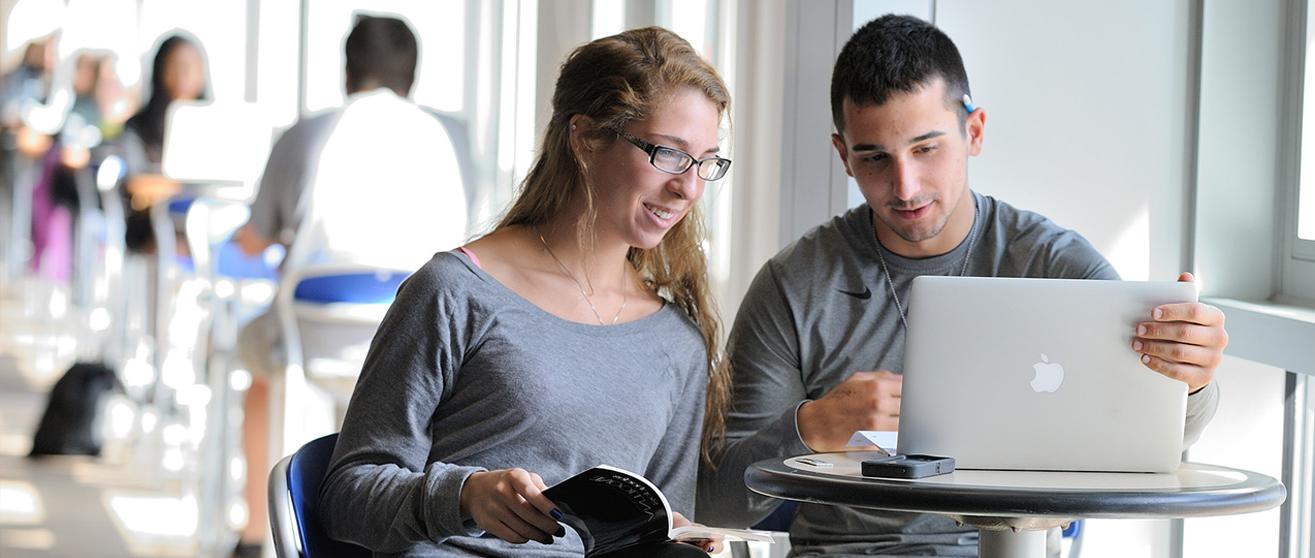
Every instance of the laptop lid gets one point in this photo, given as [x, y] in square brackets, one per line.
[1038, 374]
[215, 143]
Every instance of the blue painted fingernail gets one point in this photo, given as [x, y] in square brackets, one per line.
[561, 531]
[556, 514]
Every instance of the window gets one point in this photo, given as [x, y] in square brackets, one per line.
[1305, 206]
[440, 30]
[1298, 255]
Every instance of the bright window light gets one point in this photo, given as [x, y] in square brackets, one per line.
[151, 516]
[237, 515]
[440, 29]
[219, 26]
[98, 25]
[1306, 192]
[239, 380]
[1306, 207]
[122, 416]
[609, 18]
[689, 19]
[30, 539]
[32, 19]
[173, 460]
[20, 504]
[174, 434]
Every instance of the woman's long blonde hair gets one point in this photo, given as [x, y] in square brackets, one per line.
[614, 81]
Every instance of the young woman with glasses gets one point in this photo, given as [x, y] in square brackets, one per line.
[580, 331]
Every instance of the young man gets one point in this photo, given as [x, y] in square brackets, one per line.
[818, 346]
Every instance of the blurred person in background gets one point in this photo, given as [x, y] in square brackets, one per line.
[178, 73]
[21, 90]
[95, 116]
[25, 86]
[30, 80]
[381, 54]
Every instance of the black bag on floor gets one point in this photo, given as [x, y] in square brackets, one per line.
[69, 425]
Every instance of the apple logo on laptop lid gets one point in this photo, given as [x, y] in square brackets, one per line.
[1049, 375]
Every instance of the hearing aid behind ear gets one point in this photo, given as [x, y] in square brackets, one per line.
[968, 104]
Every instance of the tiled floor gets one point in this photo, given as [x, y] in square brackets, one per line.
[138, 499]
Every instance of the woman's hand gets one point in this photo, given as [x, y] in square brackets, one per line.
[509, 503]
[33, 144]
[75, 157]
[708, 545]
[148, 189]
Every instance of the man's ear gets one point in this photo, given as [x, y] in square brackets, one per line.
[842, 151]
[976, 128]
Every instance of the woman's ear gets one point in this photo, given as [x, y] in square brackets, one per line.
[584, 134]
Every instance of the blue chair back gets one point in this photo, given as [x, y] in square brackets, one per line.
[230, 262]
[375, 287]
[305, 475]
[780, 518]
[1073, 530]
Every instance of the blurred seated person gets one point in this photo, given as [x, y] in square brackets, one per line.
[381, 55]
[97, 112]
[177, 74]
[21, 89]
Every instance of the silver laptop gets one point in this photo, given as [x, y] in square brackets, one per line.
[211, 143]
[1038, 374]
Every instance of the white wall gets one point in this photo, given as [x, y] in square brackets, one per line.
[1247, 433]
[1241, 60]
[1087, 110]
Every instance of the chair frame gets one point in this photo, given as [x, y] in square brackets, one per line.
[293, 538]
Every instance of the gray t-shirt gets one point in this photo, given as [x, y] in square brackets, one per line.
[797, 336]
[276, 211]
[464, 376]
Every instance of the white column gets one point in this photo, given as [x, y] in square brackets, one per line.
[1004, 543]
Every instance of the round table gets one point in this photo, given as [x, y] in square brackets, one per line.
[1013, 509]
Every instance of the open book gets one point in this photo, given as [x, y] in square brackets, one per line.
[613, 508]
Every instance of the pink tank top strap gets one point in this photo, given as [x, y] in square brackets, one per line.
[469, 254]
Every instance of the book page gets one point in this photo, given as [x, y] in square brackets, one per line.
[701, 532]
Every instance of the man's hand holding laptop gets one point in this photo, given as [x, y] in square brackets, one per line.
[1183, 341]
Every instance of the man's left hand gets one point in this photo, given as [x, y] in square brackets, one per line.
[1183, 341]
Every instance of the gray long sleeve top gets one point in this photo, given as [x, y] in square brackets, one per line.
[797, 336]
[464, 375]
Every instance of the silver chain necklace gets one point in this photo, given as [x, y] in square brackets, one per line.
[587, 298]
[972, 238]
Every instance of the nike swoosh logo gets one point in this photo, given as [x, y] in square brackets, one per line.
[866, 294]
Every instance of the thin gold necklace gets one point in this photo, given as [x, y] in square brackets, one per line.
[583, 293]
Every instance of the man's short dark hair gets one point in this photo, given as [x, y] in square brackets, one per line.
[382, 50]
[895, 54]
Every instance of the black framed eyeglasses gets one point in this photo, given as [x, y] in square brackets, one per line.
[674, 161]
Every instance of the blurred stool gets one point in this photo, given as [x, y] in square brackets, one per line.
[328, 315]
[233, 288]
